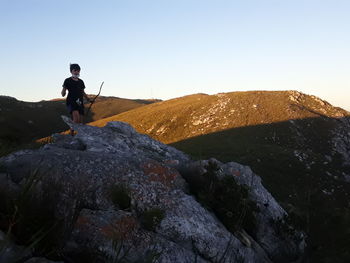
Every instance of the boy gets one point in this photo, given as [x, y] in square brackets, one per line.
[75, 87]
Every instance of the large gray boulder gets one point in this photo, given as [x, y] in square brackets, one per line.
[75, 178]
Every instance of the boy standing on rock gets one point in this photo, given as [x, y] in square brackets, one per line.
[74, 101]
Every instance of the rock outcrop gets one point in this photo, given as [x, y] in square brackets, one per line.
[112, 192]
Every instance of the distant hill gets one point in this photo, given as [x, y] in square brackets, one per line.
[22, 122]
[299, 144]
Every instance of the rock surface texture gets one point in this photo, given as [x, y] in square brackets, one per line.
[78, 174]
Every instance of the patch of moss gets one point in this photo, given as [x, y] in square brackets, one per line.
[120, 197]
[151, 218]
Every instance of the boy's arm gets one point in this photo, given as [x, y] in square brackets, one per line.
[63, 92]
[86, 96]
[64, 89]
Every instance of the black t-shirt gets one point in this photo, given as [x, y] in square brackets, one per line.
[75, 90]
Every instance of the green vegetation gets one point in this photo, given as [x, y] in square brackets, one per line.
[151, 218]
[122, 254]
[228, 200]
[120, 197]
[31, 219]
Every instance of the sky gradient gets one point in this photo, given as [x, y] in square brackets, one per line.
[165, 49]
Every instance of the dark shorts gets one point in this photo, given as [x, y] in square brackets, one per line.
[74, 106]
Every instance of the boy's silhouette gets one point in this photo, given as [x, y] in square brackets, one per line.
[76, 93]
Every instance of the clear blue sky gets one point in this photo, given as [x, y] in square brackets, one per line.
[166, 48]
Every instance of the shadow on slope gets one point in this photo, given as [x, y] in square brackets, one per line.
[299, 165]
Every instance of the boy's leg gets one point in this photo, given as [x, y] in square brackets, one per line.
[76, 119]
[76, 116]
[81, 114]
[70, 109]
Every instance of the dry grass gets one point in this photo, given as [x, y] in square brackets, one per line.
[190, 116]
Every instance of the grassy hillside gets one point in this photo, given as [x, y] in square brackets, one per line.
[298, 144]
[22, 122]
[190, 116]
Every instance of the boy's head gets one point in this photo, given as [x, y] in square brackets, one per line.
[75, 70]
[74, 67]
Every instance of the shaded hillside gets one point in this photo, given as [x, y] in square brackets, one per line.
[298, 144]
[310, 181]
[22, 122]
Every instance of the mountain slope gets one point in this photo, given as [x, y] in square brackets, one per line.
[199, 114]
[298, 144]
[22, 122]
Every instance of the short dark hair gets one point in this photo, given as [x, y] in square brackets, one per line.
[74, 66]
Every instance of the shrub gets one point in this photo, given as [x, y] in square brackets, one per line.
[227, 199]
[120, 197]
[31, 218]
[151, 218]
